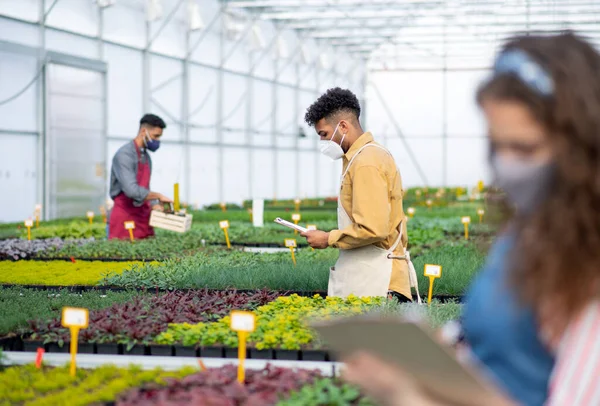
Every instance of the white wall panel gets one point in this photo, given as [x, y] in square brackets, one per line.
[125, 25]
[203, 103]
[207, 51]
[16, 71]
[308, 76]
[329, 174]
[166, 101]
[234, 103]
[237, 58]
[262, 174]
[235, 181]
[463, 115]
[308, 174]
[168, 169]
[171, 40]
[203, 176]
[286, 174]
[79, 16]
[428, 152]
[467, 161]
[18, 177]
[18, 32]
[124, 78]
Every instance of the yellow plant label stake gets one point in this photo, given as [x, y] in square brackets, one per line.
[90, 216]
[130, 225]
[243, 323]
[225, 226]
[29, 224]
[291, 244]
[480, 213]
[223, 207]
[103, 213]
[251, 215]
[38, 214]
[297, 204]
[411, 212]
[429, 203]
[466, 221]
[432, 272]
[75, 319]
[176, 204]
[296, 218]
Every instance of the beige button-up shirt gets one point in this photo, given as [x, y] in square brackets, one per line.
[371, 194]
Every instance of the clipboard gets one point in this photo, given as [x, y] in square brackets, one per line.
[413, 348]
[285, 223]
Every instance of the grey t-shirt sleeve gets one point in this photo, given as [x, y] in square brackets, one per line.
[125, 172]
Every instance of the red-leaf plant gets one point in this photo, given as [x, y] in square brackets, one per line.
[219, 387]
[143, 318]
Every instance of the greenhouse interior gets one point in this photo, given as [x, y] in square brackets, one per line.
[190, 212]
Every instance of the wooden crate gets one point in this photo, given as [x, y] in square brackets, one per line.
[171, 222]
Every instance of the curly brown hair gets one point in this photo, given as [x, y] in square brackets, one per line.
[557, 271]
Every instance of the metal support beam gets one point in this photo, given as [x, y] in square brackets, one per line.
[248, 128]
[165, 22]
[43, 161]
[298, 167]
[445, 106]
[219, 126]
[185, 128]
[274, 129]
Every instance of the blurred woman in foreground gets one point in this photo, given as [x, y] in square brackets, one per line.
[532, 316]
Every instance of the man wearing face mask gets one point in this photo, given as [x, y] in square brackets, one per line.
[130, 182]
[371, 234]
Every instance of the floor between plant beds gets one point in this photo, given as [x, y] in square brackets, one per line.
[166, 363]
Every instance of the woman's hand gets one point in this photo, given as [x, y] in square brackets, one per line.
[383, 382]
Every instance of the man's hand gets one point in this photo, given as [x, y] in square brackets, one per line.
[316, 238]
[158, 207]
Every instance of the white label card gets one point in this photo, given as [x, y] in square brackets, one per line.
[224, 224]
[290, 243]
[411, 210]
[28, 223]
[481, 212]
[466, 220]
[75, 317]
[296, 217]
[311, 227]
[90, 214]
[129, 225]
[433, 270]
[242, 321]
[38, 207]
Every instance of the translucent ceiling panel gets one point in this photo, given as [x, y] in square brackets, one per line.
[124, 76]
[467, 163]
[21, 9]
[205, 47]
[287, 118]
[125, 24]
[310, 139]
[413, 98]
[71, 44]
[168, 168]
[262, 112]
[19, 32]
[235, 183]
[463, 116]
[263, 173]
[79, 16]
[427, 152]
[286, 174]
[165, 85]
[170, 40]
[308, 174]
[203, 175]
[308, 77]
[16, 71]
[329, 176]
[203, 103]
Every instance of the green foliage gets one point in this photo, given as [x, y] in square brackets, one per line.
[27, 385]
[325, 392]
[17, 306]
[75, 229]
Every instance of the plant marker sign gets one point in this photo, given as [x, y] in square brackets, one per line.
[429, 203]
[223, 207]
[130, 226]
[480, 213]
[411, 212]
[466, 221]
[38, 214]
[297, 204]
[311, 227]
[432, 272]
[29, 224]
[225, 227]
[75, 319]
[90, 216]
[291, 244]
[296, 217]
[243, 323]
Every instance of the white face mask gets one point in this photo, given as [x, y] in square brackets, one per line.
[332, 149]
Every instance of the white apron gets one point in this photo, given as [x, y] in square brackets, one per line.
[364, 271]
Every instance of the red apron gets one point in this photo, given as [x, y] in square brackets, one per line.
[124, 210]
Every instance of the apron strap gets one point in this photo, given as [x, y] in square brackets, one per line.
[358, 152]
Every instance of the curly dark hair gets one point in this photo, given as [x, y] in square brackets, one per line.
[333, 102]
[557, 272]
[152, 120]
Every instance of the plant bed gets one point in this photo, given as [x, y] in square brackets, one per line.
[185, 351]
[290, 355]
[214, 352]
[313, 355]
[86, 348]
[136, 349]
[109, 349]
[261, 354]
[58, 348]
[33, 345]
[219, 386]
